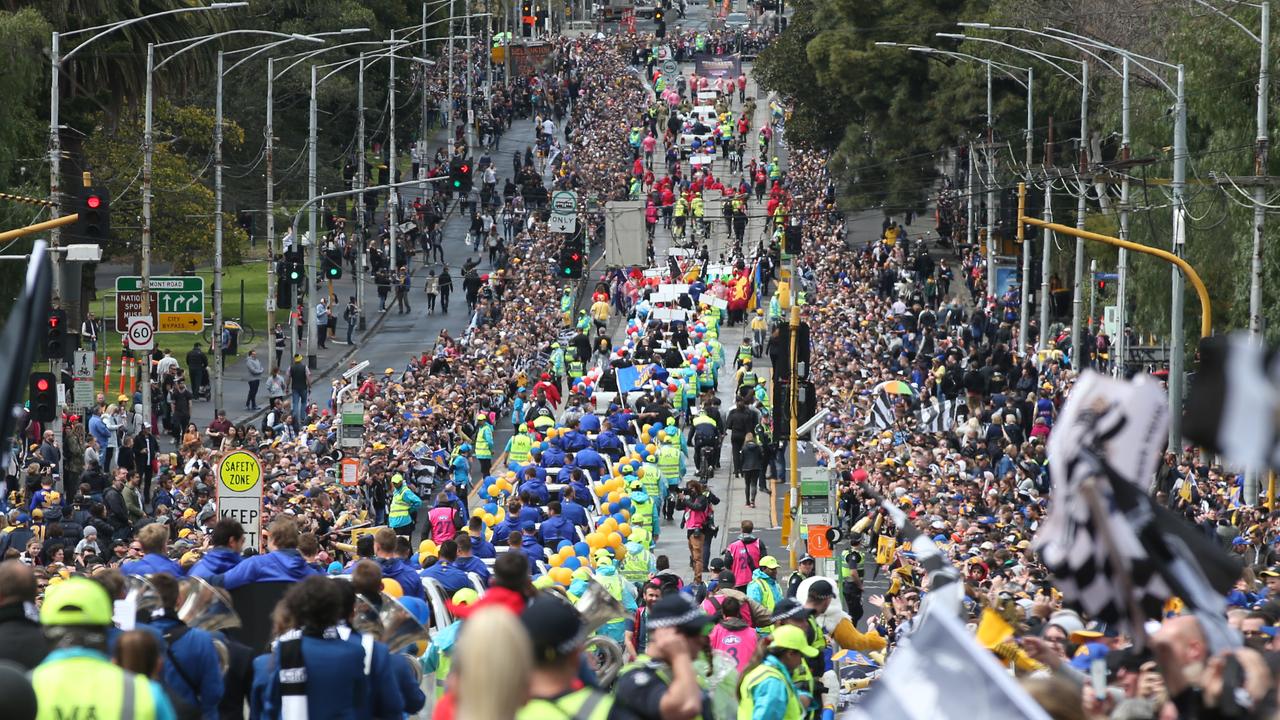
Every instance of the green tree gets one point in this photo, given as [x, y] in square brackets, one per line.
[182, 205]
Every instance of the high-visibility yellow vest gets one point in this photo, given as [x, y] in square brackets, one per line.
[399, 506]
[642, 514]
[542, 422]
[762, 672]
[520, 446]
[84, 687]
[749, 379]
[484, 443]
[576, 369]
[635, 567]
[669, 462]
[652, 479]
[584, 704]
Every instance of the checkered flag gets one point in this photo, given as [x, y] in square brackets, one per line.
[1113, 552]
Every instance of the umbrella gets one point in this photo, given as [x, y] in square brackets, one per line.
[895, 387]
[501, 38]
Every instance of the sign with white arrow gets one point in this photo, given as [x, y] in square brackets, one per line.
[177, 302]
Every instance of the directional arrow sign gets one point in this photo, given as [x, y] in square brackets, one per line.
[177, 302]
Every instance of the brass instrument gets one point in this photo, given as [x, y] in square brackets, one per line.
[389, 621]
[209, 608]
[604, 654]
[142, 594]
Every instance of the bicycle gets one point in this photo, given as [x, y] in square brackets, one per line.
[246, 332]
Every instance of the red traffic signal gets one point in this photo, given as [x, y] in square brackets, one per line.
[93, 201]
[42, 384]
[465, 168]
[54, 321]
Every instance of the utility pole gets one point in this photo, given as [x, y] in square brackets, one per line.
[970, 195]
[1176, 359]
[450, 120]
[1024, 308]
[55, 189]
[273, 267]
[215, 336]
[1077, 293]
[313, 250]
[422, 134]
[1046, 259]
[991, 190]
[362, 244]
[471, 64]
[1259, 212]
[147, 150]
[1119, 343]
[393, 201]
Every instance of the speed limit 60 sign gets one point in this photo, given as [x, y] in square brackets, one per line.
[141, 333]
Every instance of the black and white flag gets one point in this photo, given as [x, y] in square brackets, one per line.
[882, 414]
[941, 673]
[1112, 551]
[938, 417]
[18, 341]
[1233, 404]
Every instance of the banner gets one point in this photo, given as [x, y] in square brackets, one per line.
[718, 66]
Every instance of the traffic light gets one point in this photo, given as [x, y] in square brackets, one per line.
[657, 15]
[1102, 286]
[570, 261]
[332, 265]
[294, 270]
[55, 338]
[464, 171]
[43, 394]
[792, 239]
[93, 226]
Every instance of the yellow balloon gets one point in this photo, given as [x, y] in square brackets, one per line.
[625, 513]
[556, 560]
[500, 515]
[601, 489]
[562, 575]
[615, 540]
[608, 526]
[494, 490]
[595, 540]
[614, 496]
[621, 552]
[644, 438]
[651, 448]
[488, 519]
[624, 528]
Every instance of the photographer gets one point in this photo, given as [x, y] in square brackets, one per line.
[698, 503]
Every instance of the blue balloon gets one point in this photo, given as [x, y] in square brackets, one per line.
[544, 445]
[625, 502]
[638, 447]
[563, 544]
[572, 563]
[619, 517]
[513, 466]
[491, 507]
[581, 548]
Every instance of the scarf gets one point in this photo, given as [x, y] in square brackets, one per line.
[293, 672]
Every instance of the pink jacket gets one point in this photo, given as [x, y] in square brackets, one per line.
[744, 554]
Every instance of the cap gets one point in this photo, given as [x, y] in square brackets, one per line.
[465, 596]
[725, 578]
[769, 561]
[76, 601]
[397, 479]
[790, 637]
[678, 610]
[527, 526]
[807, 558]
[1269, 572]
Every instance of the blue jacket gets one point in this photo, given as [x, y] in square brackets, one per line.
[589, 423]
[556, 528]
[535, 552]
[197, 678]
[769, 697]
[407, 680]
[482, 548]
[400, 571]
[530, 514]
[573, 441]
[503, 530]
[538, 470]
[450, 577]
[460, 468]
[609, 444]
[152, 563]
[475, 565]
[573, 512]
[552, 457]
[336, 686]
[538, 489]
[277, 566]
[590, 461]
[384, 699]
[581, 494]
[215, 562]
[98, 429]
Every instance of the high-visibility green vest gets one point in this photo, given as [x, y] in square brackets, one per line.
[484, 443]
[399, 506]
[576, 369]
[520, 446]
[542, 422]
[757, 675]
[704, 420]
[706, 378]
[583, 704]
[642, 514]
[749, 379]
[84, 687]
[635, 567]
[669, 462]
[744, 352]
[652, 479]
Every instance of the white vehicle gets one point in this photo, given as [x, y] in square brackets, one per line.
[705, 114]
[579, 28]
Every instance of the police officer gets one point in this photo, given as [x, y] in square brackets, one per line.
[77, 680]
[555, 631]
[484, 443]
[705, 433]
[661, 684]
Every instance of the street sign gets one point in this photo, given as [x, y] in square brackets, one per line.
[141, 333]
[818, 542]
[352, 425]
[564, 212]
[82, 379]
[350, 474]
[670, 68]
[177, 303]
[239, 493]
[129, 304]
[1111, 321]
[664, 54]
[82, 366]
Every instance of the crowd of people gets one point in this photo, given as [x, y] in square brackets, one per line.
[614, 442]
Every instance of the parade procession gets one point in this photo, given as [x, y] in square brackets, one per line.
[791, 376]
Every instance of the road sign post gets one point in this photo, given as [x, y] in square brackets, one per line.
[82, 379]
[239, 493]
[177, 303]
[564, 212]
[141, 333]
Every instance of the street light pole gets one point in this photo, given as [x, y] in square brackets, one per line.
[1078, 353]
[361, 246]
[393, 202]
[991, 190]
[1120, 342]
[145, 287]
[313, 249]
[1176, 341]
[273, 264]
[215, 337]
